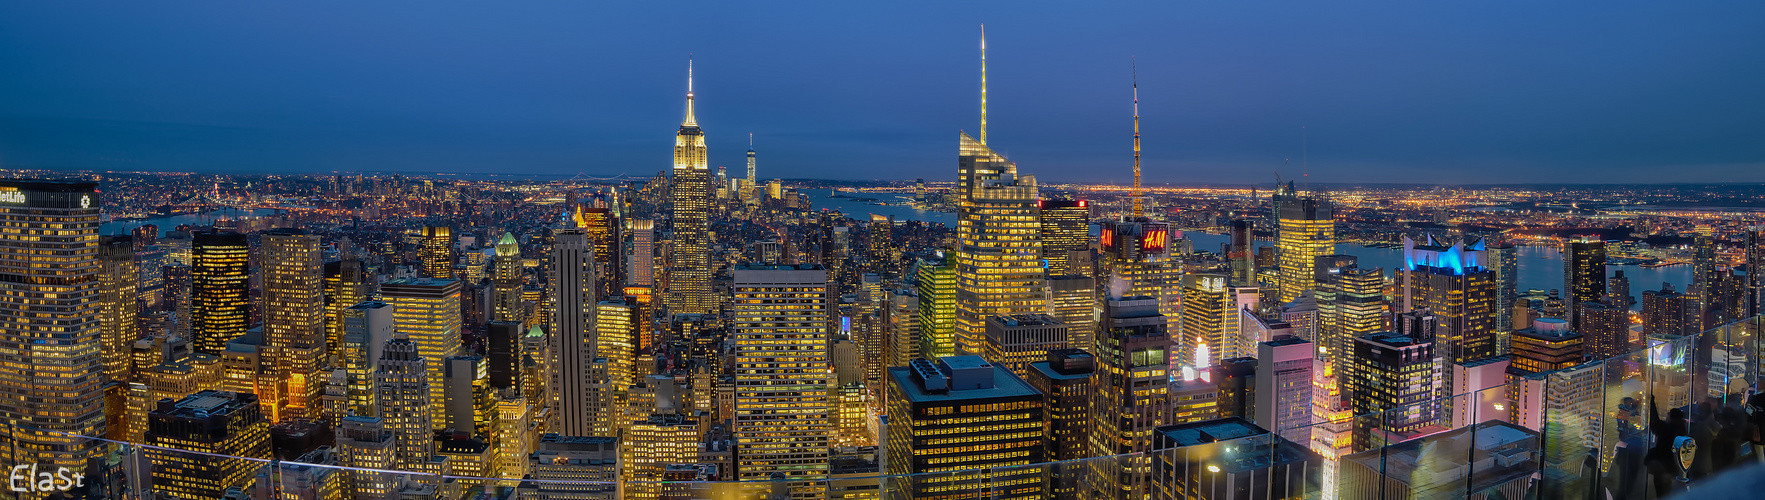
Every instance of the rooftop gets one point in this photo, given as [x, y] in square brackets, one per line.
[1005, 384]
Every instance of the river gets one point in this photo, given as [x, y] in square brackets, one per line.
[819, 199]
[167, 223]
[1541, 267]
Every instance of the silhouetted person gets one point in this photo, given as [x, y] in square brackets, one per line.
[1663, 465]
[1756, 409]
[1736, 432]
[1703, 432]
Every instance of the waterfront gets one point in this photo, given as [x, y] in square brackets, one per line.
[1541, 267]
[858, 209]
[168, 222]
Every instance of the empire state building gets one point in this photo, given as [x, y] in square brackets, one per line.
[689, 274]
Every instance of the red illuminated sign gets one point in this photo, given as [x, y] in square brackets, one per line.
[1108, 239]
[1153, 241]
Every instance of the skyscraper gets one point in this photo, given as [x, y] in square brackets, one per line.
[1072, 299]
[1351, 303]
[1605, 328]
[937, 306]
[1018, 340]
[1130, 394]
[367, 327]
[1065, 379]
[782, 376]
[1504, 259]
[119, 313]
[366, 446]
[1452, 282]
[573, 330]
[118, 305]
[402, 394]
[428, 312]
[641, 266]
[206, 443]
[1066, 237]
[49, 252]
[1136, 253]
[1584, 275]
[438, 252]
[602, 229]
[1705, 276]
[1392, 371]
[902, 318]
[1547, 346]
[1209, 322]
[615, 340]
[1755, 255]
[1241, 255]
[347, 283]
[507, 280]
[689, 272]
[1284, 373]
[999, 240]
[1308, 230]
[220, 296]
[1001, 415]
[294, 321]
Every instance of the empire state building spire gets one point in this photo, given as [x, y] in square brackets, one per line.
[689, 277]
[690, 120]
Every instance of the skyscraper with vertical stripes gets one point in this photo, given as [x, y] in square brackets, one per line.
[294, 318]
[689, 275]
[782, 375]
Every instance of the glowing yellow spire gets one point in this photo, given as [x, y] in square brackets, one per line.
[983, 84]
[1136, 193]
[690, 120]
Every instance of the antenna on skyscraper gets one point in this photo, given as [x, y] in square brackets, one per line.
[1304, 159]
[983, 83]
[1135, 67]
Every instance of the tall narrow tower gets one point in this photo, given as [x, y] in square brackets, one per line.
[1138, 205]
[750, 184]
[293, 297]
[689, 277]
[999, 242]
[220, 292]
[573, 332]
[507, 280]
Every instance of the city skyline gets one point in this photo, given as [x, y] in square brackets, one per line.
[1449, 95]
[697, 334]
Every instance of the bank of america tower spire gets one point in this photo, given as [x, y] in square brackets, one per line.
[998, 232]
[689, 277]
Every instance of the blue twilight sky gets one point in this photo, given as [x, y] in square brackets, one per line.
[1386, 91]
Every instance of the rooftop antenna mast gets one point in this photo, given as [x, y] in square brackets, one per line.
[1138, 204]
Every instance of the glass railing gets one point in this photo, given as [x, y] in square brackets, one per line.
[1586, 432]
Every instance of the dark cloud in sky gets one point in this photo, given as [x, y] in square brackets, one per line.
[1469, 92]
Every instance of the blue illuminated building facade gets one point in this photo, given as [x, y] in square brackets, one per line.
[1454, 283]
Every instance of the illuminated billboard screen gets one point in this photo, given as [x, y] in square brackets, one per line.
[1154, 240]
